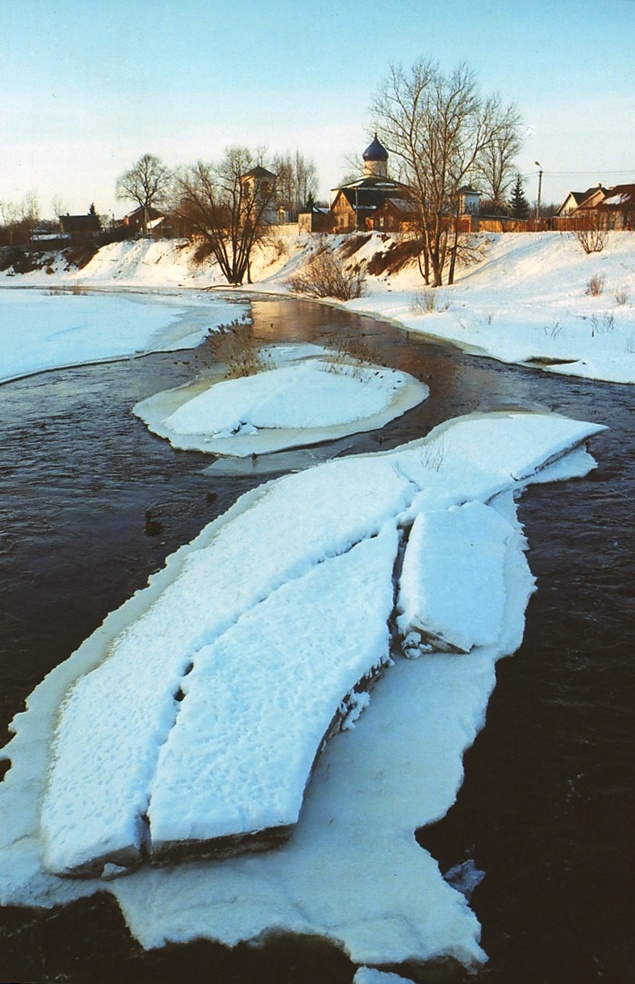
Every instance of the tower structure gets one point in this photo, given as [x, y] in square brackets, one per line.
[375, 159]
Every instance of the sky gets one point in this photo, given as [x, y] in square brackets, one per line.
[88, 86]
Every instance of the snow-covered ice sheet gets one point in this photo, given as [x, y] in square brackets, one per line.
[43, 330]
[298, 401]
[351, 870]
[261, 698]
[463, 546]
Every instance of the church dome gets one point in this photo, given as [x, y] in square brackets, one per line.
[375, 151]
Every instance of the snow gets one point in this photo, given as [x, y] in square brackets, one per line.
[269, 659]
[43, 330]
[370, 975]
[171, 724]
[301, 399]
[278, 606]
[527, 300]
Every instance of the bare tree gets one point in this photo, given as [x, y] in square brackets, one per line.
[296, 182]
[230, 205]
[440, 129]
[19, 220]
[147, 183]
[496, 168]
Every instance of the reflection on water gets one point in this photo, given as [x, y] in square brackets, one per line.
[91, 503]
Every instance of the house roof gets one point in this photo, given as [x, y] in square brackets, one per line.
[619, 196]
[575, 199]
[259, 172]
[367, 194]
[399, 204]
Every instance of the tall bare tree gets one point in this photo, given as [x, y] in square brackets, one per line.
[230, 204]
[440, 129]
[496, 170]
[147, 183]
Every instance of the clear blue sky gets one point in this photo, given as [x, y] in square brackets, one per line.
[88, 86]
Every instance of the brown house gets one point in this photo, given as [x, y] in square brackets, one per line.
[617, 208]
[609, 208]
[394, 215]
[140, 218]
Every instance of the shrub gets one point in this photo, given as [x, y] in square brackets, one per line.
[427, 301]
[592, 239]
[595, 286]
[621, 296]
[325, 275]
[599, 326]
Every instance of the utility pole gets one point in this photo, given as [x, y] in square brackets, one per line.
[538, 164]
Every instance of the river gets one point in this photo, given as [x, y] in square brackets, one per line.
[91, 503]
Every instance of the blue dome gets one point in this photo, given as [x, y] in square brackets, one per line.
[375, 151]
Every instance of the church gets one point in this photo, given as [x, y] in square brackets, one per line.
[374, 201]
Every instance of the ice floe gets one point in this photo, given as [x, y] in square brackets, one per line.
[307, 395]
[162, 719]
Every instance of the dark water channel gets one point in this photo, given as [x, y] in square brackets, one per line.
[91, 503]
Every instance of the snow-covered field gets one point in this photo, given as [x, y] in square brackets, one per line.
[196, 711]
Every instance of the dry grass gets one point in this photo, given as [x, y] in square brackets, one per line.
[233, 346]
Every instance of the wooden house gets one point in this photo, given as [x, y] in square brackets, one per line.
[576, 199]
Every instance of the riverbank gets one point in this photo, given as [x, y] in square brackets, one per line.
[530, 299]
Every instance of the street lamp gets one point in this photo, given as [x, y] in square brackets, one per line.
[539, 165]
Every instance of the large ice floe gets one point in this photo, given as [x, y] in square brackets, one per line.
[307, 394]
[190, 727]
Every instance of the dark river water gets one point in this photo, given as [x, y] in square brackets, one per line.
[91, 503]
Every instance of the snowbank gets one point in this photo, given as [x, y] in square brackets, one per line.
[142, 728]
[303, 398]
[530, 300]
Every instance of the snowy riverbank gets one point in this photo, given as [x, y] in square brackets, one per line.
[528, 298]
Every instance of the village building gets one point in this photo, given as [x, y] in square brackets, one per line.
[355, 206]
[608, 208]
[469, 200]
[575, 200]
[143, 221]
[259, 185]
[79, 229]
